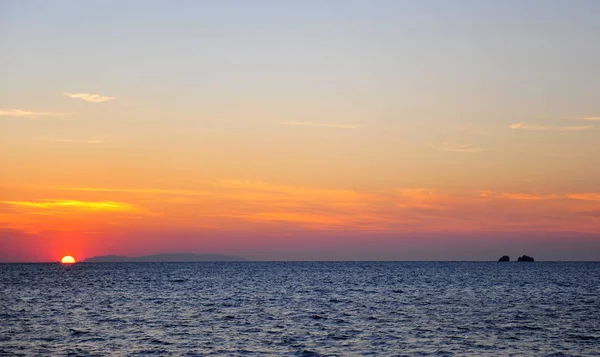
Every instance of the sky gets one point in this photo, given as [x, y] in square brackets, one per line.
[300, 130]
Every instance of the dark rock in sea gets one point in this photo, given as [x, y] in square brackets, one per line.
[504, 258]
[525, 258]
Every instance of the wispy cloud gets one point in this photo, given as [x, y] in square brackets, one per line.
[73, 141]
[159, 191]
[80, 141]
[518, 196]
[271, 207]
[584, 118]
[88, 97]
[524, 126]
[465, 148]
[471, 130]
[30, 114]
[585, 196]
[216, 120]
[322, 125]
[73, 204]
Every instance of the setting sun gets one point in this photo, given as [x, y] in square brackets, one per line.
[67, 259]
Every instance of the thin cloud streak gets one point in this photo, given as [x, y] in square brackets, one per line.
[585, 196]
[470, 130]
[73, 204]
[74, 141]
[464, 148]
[322, 125]
[549, 128]
[261, 205]
[29, 114]
[138, 190]
[584, 118]
[88, 97]
[80, 141]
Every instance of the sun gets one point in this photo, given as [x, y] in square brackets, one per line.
[67, 259]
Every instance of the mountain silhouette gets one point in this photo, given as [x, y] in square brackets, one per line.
[167, 257]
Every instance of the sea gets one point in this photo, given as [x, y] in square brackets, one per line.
[300, 309]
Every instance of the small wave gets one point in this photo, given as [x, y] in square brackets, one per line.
[444, 353]
[467, 309]
[533, 328]
[584, 337]
[339, 336]
[12, 353]
[307, 353]
[156, 341]
[159, 352]
[75, 332]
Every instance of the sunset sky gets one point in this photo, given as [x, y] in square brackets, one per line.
[300, 130]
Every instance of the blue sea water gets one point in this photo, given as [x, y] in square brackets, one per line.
[301, 309]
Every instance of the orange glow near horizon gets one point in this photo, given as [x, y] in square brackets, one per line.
[291, 146]
[67, 259]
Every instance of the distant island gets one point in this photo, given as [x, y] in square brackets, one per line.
[167, 257]
[523, 258]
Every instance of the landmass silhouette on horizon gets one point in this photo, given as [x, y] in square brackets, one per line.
[523, 258]
[166, 257]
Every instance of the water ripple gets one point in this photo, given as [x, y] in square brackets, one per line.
[300, 309]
